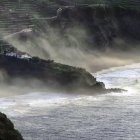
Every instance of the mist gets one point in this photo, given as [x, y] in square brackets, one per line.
[69, 47]
[72, 49]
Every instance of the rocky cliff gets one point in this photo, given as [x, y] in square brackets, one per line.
[106, 26]
[7, 130]
[15, 64]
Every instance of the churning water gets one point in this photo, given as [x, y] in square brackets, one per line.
[113, 116]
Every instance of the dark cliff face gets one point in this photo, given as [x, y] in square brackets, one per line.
[103, 24]
[15, 65]
[7, 130]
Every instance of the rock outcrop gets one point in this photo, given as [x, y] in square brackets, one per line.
[7, 130]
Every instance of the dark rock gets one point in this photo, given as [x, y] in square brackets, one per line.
[116, 90]
[103, 23]
[7, 130]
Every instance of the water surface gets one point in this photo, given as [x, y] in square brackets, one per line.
[113, 116]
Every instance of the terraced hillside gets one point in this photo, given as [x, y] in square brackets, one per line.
[13, 17]
[16, 15]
